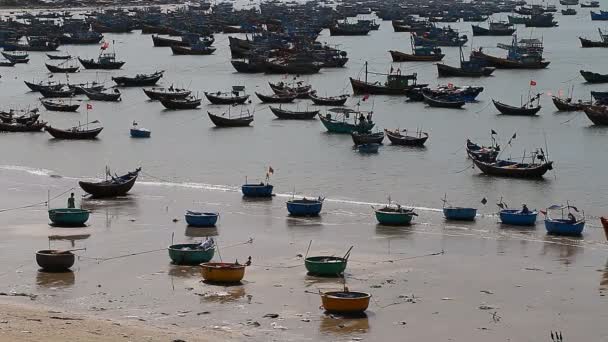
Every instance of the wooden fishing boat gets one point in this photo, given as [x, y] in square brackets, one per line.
[569, 11]
[305, 207]
[200, 50]
[494, 29]
[514, 169]
[597, 114]
[201, 219]
[328, 101]
[516, 217]
[113, 187]
[601, 97]
[367, 138]
[339, 124]
[590, 4]
[138, 80]
[189, 102]
[345, 302]
[59, 105]
[158, 41]
[61, 69]
[190, 254]
[399, 56]
[397, 138]
[588, 43]
[440, 102]
[292, 66]
[396, 84]
[348, 29]
[604, 221]
[248, 66]
[470, 68]
[222, 272]
[394, 215]
[55, 92]
[326, 265]
[6, 63]
[74, 133]
[527, 109]
[105, 61]
[69, 217]
[486, 154]
[504, 63]
[301, 91]
[276, 98]
[58, 57]
[28, 116]
[228, 121]
[51, 260]
[167, 93]
[80, 88]
[36, 126]
[102, 95]
[226, 97]
[593, 77]
[567, 105]
[42, 85]
[293, 115]
[20, 57]
[257, 190]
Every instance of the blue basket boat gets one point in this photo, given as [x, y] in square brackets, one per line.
[517, 218]
[198, 219]
[69, 217]
[257, 190]
[564, 227]
[140, 133]
[459, 213]
[305, 207]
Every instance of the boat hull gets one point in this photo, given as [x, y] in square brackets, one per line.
[257, 190]
[222, 273]
[69, 217]
[563, 227]
[393, 219]
[300, 208]
[406, 57]
[51, 261]
[505, 171]
[202, 219]
[516, 218]
[188, 254]
[345, 302]
[325, 265]
[459, 214]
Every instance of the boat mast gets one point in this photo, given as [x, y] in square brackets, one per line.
[365, 71]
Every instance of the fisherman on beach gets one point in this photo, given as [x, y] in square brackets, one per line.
[72, 201]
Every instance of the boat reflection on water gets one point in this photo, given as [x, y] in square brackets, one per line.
[564, 249]
[72, 238]
[332, 324]
[55, 280]
[216, 294]
[394, 231]
[307, 222]
[184, 271]
[197, 232]
[604, 279]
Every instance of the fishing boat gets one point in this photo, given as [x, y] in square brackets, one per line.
[69, 217]
[35, 126]
[223, 272]
[197, 49]
[277, 98]
[604, 221]
[301, 90]
[293, 65]
[441, 102]
[328, 101]
[189, 102]
[53, 56]
[471, 68]
[601, 15]
[26, 116]
[59, 105]
[60, 68]
[102, 95]
[567, 105]
[105, 61]
[236, 96]
[526, 109]
[495, 29]
[112, 186]
[20, 57]
[51, 260]
[138, 80]
[394, 215]
[367, 138]
[597, 114]
[515, 169]
[349, 29]
[80, 88]
[139, 132]
[54, 92]
[486, 154]
[396, 84]
[522, 54]
[593, 77]
[6, 63]
[541, 20]
[327, 266]
[368, 148]
[458, 213]
[601, 97]
[249, 66]
[397, 138]
[293, 115]
[74, 133]
[201, 219]
[345, 302]
[190, 254]
[419, 54]
[227, 120]
[156, 93]
[362, 121]
[81, 37]
[588, 43]
[516, 217]
[257, 190]
[305, 206]
[569, 11]
[590, 4]
[440, 36]
[570, 226]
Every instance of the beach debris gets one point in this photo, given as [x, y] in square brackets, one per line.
[557, 337]
[305, 320]
[65, 318]
[447, 298]
[495, 317]
[487, 292]
[299, 255]
[276, 325]
[19, 294]
[533, 269]
[251, 323]
[271, 315]
[403, 323]
[486, 307]
[175, 220]
[376, 286]
[203, 313]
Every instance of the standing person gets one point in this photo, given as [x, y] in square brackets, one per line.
[72, 201]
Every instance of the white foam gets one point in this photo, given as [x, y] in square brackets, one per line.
[30, 170]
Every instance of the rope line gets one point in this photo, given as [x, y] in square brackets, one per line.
[36, 204]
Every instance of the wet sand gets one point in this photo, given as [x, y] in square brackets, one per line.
[433, 281]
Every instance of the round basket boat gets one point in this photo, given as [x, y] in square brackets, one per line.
[189, 254]
[325, 265]
[345, 302]
[69, 217]
[55, 261]
[222, 272]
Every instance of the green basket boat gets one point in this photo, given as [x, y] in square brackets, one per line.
[325, 265]
[395, 216]
[69, 217]
[189, 254]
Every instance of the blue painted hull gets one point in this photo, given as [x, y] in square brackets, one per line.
[564, 227]
[460, 214]
[201, 219]
[257, 190]
[516, 218]
[601, 15]
[368, 148]
[300, 208]
[138, 133]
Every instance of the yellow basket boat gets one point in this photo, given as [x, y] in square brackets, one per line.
[222, 272]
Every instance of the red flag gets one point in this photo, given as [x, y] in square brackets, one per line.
[450, 85]
[105, 45]
[532, 83]
[365, 97]
[89, 106]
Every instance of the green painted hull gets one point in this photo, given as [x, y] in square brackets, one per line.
[393, 219]
[69, 217]
[345, 127]
[192, 256]
[325, 265]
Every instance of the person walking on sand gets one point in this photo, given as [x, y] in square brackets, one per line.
[72, 201]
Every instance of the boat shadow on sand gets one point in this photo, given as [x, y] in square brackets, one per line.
[198, 232]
